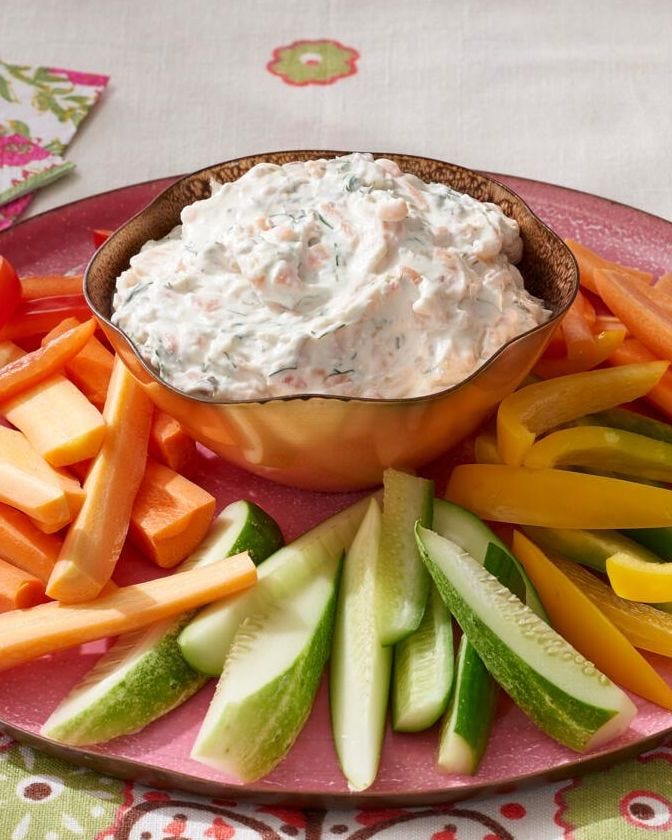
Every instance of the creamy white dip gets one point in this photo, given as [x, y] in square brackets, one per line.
[341, 276]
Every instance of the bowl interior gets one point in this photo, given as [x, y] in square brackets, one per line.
[548, 267]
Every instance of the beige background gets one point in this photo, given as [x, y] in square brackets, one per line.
[575, 92]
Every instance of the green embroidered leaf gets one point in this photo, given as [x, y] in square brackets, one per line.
[56, 147]
[6, 90]
[19, 127]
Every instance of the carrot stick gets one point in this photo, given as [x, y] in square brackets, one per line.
[588, 262]
[27, 634]
[34, 318]
[91, 368]
[38, 365]
[170, 516]
[58, 420]
[647, 317]
[25, 546]
[94, 540]
[29, 484]
[664, 283]
[169, 442]
[10, 352]
[18, 589]
[577, 329]
[633, 351]
[50, 285]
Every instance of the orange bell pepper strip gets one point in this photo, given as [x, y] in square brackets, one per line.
[645, 626]
[589, 262]
[541, 406]
[603, 448]
[94, 540]
[647, 315]
[558, 498]
[632, 351]
[637, 580]
[27, 370]
[574, 615]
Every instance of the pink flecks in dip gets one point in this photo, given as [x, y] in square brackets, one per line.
[313, 62]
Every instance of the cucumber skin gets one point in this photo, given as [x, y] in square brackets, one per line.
[162, 678]
[282, 698]
[404, 674]
[262, 538]
[228, 614]
[445, 516]
[472, 711]
[169, 683]
[401, 593]
[531, 692]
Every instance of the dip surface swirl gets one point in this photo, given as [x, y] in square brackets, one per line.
[342, 276]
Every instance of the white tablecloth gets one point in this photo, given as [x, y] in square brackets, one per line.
[573, 92]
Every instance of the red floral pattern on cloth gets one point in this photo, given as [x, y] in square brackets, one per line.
[320, 62]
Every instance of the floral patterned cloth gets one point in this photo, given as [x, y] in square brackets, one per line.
[40, 111]
[43, 798]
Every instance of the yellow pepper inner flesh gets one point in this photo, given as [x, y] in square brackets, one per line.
[536, 408]
[574, 615]
[645, 626]
[603, 448]
[638, 580]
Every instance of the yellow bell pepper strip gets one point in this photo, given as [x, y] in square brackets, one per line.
[646, 627]
[589, 548]
[485, 449]
[574, 615]
[603, 449]
[536, 408]
[558, 499]
[637, 580]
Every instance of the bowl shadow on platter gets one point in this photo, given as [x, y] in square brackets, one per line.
[327, 442]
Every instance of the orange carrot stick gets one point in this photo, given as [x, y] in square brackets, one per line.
[644, 317]
[25, 546]
[664, 283]
[50, 285]
[91, 368]
[27, 634]
[588, 262]
[29, 484]
[18, 589]
[36, 318]
[633, 351]
[170, 516]
[94, 540]
[38, 365]
[169, 442]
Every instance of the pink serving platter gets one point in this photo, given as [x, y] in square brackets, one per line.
[60, 240]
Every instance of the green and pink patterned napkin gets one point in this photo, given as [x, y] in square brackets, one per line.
[41, 108]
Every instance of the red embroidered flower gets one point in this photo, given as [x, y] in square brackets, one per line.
[313, 62]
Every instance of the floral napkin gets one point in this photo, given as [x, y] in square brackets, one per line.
[40, 111]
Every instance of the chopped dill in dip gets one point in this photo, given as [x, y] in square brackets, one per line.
[342, 276]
